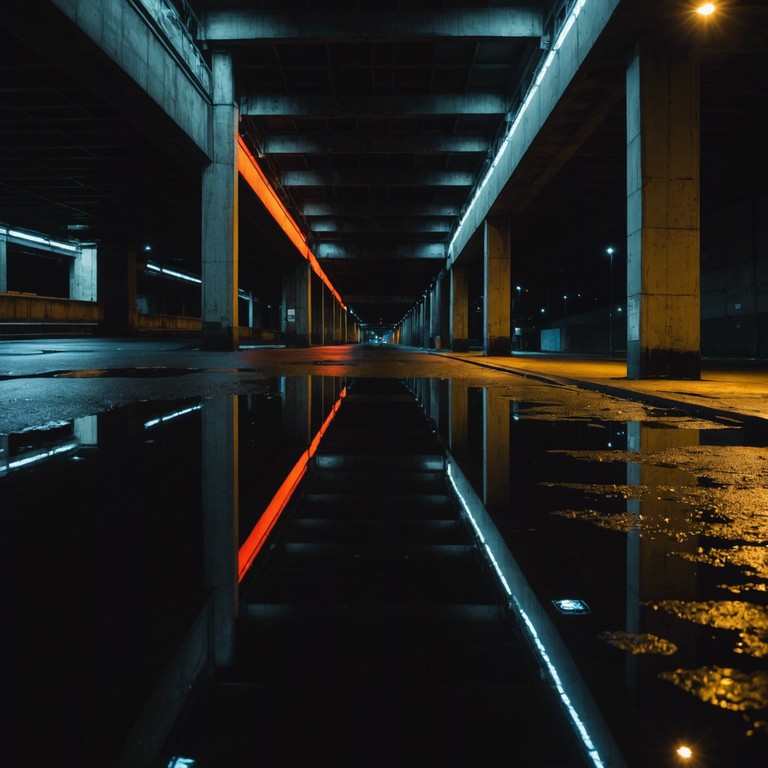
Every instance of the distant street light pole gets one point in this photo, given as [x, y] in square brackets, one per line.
[565, 306]
[520, 309]
[609, 251]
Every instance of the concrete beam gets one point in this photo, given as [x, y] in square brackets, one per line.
[141, 46]
[354, 299]
[364, 105]
[564, 62]
[410, 225]
[366, 208]
[381, 251]
[372, 144]
[363, 24]
[344, 178]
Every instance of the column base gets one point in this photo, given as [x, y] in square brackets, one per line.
[216, 337]
[499, 347]
[662, 363]
[460, 345]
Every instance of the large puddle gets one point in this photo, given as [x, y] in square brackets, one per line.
[654, 521]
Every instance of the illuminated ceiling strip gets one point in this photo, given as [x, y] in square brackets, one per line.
[37, 239]
[151, 265]
[249, 169]
[256, 538]
[541, 650]
[540, 74]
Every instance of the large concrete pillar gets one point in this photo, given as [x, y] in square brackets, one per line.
[221, 512]
[459, 311]
[116, 283]
[3, 265]
[220, 215]
[663, 291]
[297, 299]
[337, 321]
[83, 272]
[434, 316]
[318, 289]
[497, 287]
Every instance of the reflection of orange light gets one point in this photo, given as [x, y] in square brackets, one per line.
[256, 538]
[257, 181]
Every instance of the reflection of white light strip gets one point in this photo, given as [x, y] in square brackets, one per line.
[539, 646]
[173, 273]
[174, 415]
[26, 460]
[38, 239]
[572, 713]
[540, 74]
[464, 504]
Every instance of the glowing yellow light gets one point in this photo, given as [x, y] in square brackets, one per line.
[685, 752]
[706, 9]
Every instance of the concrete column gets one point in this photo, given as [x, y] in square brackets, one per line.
[434, 315]
[324, 306]
[317, 288]
[116, 282]
[3, 265]
[220, 520]
[220, 214]
[83, 272]
[297, 295]
[663, 156]
[459, 310]
[337, 310]
[497, 288]
[444, 310]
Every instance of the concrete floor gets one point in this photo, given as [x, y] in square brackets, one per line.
[44, 380]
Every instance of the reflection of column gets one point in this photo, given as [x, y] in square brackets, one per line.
[220, 520]
[4, 453]
[459, 405]
[495, 450]
[296, 408]
[87, 430]
[653, 573]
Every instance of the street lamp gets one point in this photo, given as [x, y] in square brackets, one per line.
[565, 306]
[610, 252]
[520, 309]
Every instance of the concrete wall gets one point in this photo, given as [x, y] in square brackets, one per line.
[20, 308]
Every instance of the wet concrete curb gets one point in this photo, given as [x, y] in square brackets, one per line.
[724, 415]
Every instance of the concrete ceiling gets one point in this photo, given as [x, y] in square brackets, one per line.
[373, 133]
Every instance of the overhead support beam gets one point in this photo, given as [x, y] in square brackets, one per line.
[366, 208]
[324, 26]
[364, 105]
[361, 225]
[572, 44]
[151, 49]
[344, 178]
[382, 251]
[372, 144]
[407, 300]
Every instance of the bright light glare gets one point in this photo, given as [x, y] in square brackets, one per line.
[706, 9]
[685, 752]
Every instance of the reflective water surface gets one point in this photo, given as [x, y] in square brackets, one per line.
[124, 531]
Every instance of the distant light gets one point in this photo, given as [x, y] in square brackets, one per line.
[609, 251]
[571, 605]
[706, 10]
[147, 247]
[685, 752]
[77, 227]
[182, 762]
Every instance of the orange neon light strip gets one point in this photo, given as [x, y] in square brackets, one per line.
[257, 181]
[256, 538]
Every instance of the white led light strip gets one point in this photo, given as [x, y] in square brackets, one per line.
[539, 77]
